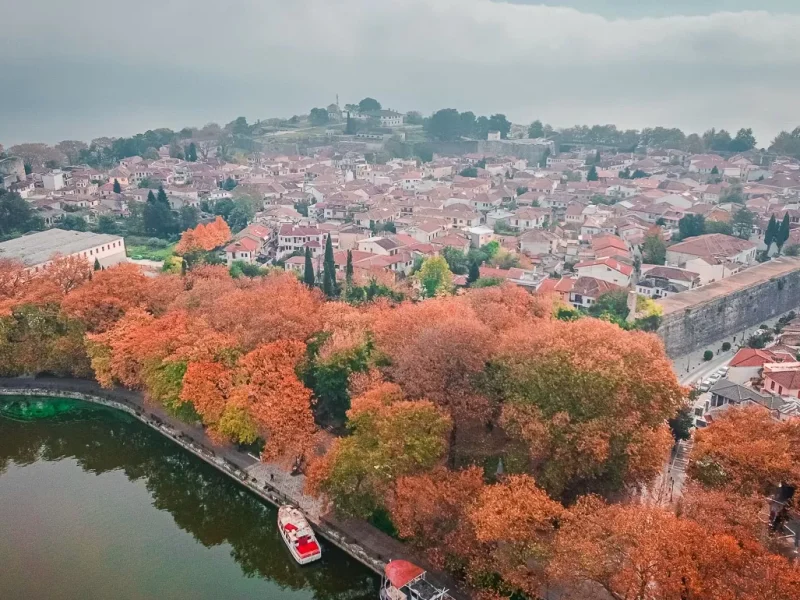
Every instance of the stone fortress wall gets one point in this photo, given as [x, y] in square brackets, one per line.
[698, 318]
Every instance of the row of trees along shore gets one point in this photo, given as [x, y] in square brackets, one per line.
[504, 443]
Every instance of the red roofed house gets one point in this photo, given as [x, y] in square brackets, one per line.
[713, 256]
[248, 244]
[580, 292]
[292, 239]
[782, 379]
[606, 245]
[749, 362]
[586, 290]
[245, 249]
[606, 269]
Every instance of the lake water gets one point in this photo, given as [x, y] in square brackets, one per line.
[95, 505]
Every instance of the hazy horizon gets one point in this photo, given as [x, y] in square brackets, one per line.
[108, 69]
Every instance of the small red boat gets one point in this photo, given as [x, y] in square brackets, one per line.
[403, 580]
[298, 535]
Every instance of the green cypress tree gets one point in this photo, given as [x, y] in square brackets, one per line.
[772, 230]
[592, 176]
[329, 270]
[96, 265]
[308, 273]
[783, 232]
[474, 272]
[162, 196]
[117, 187]
[349, 269]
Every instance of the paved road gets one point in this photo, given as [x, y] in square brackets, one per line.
[691, 367]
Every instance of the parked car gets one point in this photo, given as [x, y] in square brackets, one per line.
[704, 386]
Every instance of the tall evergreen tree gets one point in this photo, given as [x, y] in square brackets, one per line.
[783, 232]
[329, 270]
[349, 269]
[474, 272]
[592, 176]
[191, 152]
[157, 215]
[97, 265]
[117, 187]
[162, 196]
[308, 272]
[771, 233]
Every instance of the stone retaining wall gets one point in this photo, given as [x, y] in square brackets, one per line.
[698, 318]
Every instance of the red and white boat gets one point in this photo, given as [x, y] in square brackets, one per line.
[298, 535]
[403, 580]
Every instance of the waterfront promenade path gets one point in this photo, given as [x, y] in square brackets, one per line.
[358, 538]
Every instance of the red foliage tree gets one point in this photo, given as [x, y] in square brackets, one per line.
[204, 237]
[102, 301]
[747, 451]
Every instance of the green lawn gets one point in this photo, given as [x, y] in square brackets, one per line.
[142, 248]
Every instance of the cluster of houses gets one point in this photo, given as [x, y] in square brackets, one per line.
[766, 377]
[575, 226]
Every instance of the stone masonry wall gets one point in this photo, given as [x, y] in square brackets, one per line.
[693, 327]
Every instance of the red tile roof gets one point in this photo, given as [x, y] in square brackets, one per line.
[245, 244]
[608, 262]
[750, 357]
[790, 380]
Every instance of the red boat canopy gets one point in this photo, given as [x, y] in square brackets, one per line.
[400, 572]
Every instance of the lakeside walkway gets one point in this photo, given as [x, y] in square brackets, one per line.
[270, 481]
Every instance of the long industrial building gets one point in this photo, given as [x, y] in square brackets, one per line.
[35, 250]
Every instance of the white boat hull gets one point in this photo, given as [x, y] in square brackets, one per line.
[298, 535]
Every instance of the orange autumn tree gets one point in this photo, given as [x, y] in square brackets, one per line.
[516, 521]
[507, 306]
[437, 350]
[746, 451]
[390, 438]
[634, 552]
[256, 311]
[429, 510]
[47, 285]
[102, 301]
[204, 237]
[588, 401]
[260, 396]
[723, 512]
[151, 354]
[35, 335]
[276, 399]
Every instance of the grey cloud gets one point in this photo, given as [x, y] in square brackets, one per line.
[106, 67]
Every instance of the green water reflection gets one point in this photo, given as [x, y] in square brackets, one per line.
[93, 504]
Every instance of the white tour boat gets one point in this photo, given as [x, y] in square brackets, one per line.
[298, 535]
[403, 580]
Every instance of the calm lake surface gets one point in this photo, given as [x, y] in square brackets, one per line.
[95, 505]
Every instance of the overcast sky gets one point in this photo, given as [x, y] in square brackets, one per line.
[104, 67]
